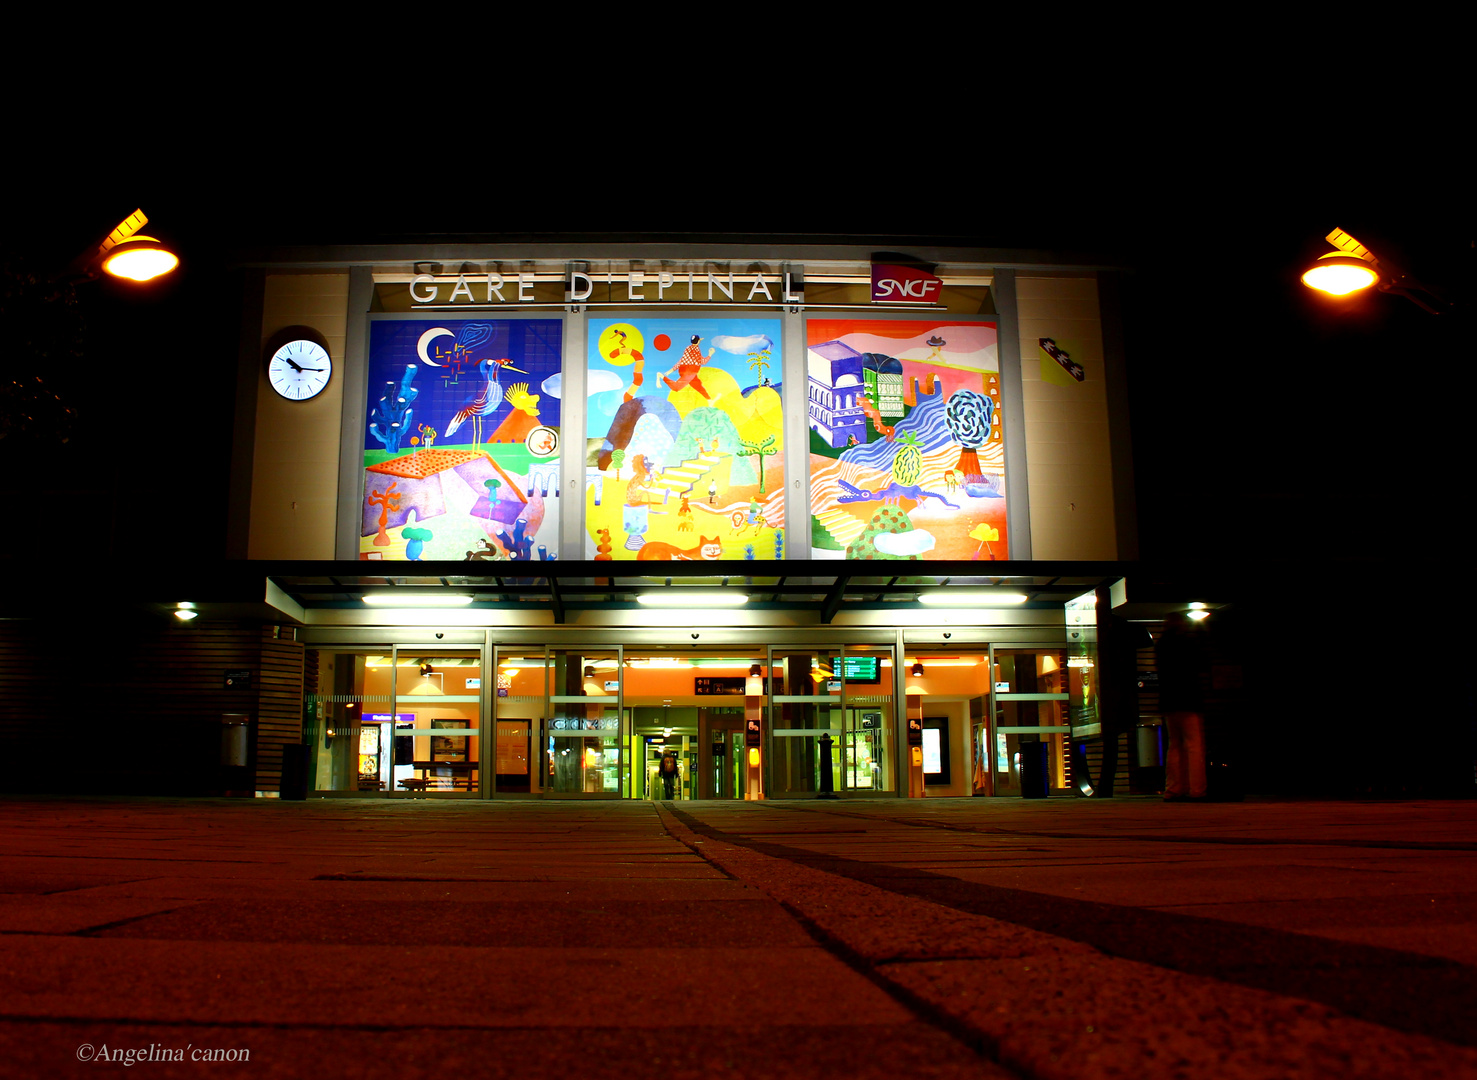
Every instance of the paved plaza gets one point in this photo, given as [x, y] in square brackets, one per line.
[939, 938]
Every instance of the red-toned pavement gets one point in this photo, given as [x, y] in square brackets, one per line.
[979, 938]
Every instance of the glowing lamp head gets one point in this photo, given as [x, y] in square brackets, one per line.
[1338, 274]
[141, 258]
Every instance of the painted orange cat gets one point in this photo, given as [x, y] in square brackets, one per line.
[704, 549]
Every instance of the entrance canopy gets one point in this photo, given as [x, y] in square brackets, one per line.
[807, 592]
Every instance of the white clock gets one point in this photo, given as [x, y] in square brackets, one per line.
[299, 370]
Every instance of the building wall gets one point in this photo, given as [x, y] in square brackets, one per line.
[294, 492]
[1067, 448]
[137, 705]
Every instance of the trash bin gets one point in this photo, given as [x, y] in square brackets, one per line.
[295, 758]
[235, 775]
[1034, 784]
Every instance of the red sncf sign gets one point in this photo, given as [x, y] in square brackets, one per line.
[903, 283]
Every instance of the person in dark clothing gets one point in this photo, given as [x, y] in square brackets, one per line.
[1184, 670]
[668, 771]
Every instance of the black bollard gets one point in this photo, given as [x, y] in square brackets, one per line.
[828, 786]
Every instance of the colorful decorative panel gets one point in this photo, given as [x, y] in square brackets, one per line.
[461, 440]
[906, 455]
[685, 452]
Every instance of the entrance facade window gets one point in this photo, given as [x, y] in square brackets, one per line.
[845, 693]
[400, 721]
[690, 705]
[582, 733]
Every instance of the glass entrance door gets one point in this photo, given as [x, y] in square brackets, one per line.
[581, 738]
[431, 744]
[845, 693]
[518, 708]
[1031, 722]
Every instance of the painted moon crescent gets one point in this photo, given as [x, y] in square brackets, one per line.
[428, 337]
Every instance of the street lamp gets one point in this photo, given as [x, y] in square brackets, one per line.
[1352, 268]
[126, 253]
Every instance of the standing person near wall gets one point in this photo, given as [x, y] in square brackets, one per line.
[1184, 671]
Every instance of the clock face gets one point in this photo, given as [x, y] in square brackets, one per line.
[299, 370]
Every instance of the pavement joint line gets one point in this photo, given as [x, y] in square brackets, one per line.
[1167, 1023]
[90, 931]
[977, 1042]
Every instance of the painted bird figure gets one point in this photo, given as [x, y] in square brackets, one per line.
[486, 400]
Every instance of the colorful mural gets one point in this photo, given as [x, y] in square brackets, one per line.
[906, 455]
[684, 458]
[461, 441]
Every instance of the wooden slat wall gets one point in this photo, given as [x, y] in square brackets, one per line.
[135, 705]
[279, 716]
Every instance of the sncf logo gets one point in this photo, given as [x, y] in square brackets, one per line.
[898, 283]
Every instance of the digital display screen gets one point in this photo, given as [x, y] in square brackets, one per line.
[933, 759]
[861, 669]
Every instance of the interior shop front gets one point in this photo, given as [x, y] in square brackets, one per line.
[609, 720]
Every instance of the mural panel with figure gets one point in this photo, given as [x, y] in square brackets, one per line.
[906, 455]
[685, 439]
[461, 440]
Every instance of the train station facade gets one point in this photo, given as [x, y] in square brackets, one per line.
[443, 455]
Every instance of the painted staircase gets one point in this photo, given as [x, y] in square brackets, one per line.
[681, 479]
[843, 526]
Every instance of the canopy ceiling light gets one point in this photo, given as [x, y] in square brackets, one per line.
[708, 598]
[416, 599]
[1354, 268]
[982, 598]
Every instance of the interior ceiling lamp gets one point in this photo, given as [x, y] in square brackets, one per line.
[917, 671]
[705, 598]
[978, 598]
[754, 670]
[1353, 268]
[427, 670]
[416, 599]
[128, 253]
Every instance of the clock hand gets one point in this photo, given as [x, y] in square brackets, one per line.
[291, 364]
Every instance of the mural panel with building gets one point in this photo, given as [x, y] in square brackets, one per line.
[907, 457]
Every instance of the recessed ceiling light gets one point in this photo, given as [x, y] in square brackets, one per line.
[970, 598]
[416, 599]
[710, 598]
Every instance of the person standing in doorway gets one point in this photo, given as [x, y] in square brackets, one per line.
[1184, 670]
[669, 772]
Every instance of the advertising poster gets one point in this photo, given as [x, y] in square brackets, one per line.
[685, 440]
[906, 455]
[461, 440]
